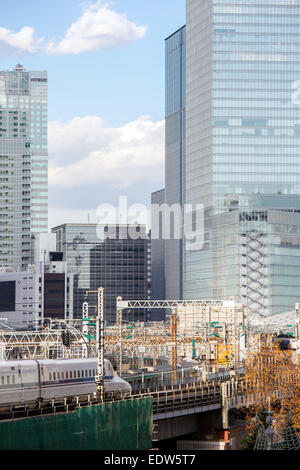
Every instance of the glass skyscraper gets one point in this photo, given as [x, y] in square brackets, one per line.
[23, 163]
[243, 151]
[175, 154]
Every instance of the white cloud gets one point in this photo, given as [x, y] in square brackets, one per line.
[23, 41]
[99, 27]
[84, 151]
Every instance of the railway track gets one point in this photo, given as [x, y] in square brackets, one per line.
[165, 400]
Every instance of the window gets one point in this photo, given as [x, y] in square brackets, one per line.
[58, 375]
[13, 379]
[50, 376]
[86, 373]
[90, 373]
[2, 380]
[74, 374]
[71, 374]
[82, 373]
[62, 375]
[54, 376]
[8, 380]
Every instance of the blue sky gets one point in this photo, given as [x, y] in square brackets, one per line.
[106, 88]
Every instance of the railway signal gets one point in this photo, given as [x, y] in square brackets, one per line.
[66, 338]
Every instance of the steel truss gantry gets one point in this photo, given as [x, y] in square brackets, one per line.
[170, 304]
[174, 306]
[35, 344]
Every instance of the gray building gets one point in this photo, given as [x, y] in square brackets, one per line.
[23, 163]
[115, 257]
[158, 265]
[242, 147]
[44, 290]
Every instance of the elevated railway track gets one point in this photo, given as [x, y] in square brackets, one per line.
[167, 402]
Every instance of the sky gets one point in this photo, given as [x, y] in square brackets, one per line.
[105, 63]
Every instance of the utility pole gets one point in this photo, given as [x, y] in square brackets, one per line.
[174, 319]
[119, 323]
[99, 379]
[297, 309]
[85, 328]
[100, 345]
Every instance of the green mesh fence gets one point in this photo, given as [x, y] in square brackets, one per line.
[113, 426]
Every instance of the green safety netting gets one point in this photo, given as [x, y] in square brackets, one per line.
[125, 425]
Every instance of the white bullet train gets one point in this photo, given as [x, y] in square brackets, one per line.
[40, 381]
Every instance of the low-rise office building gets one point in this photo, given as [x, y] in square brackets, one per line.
[43, 291]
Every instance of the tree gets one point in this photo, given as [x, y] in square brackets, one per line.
[272, 376]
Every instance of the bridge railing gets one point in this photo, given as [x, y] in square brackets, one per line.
[184, 397]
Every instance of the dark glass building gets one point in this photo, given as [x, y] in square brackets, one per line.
[116, 258]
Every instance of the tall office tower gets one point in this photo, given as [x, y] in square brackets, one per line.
[158, 259]
[175, 155]
[108, 257]
[23, 163]
[243, 150]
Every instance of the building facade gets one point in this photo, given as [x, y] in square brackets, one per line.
[175, 52]
[42, 291]
[116, 258]
[23, 163]
[158, 261]
[242, 147]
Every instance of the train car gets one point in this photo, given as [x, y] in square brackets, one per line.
[162, 376]
[45, 380]
[19, 381]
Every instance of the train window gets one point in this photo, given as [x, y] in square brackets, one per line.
[13, 379]
[58, 375]
[54, 376]
[50, 376]
[71, 374]
[8, 379]
[67, 374]
[2, 380]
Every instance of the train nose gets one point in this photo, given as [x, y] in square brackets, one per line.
[127, 387]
